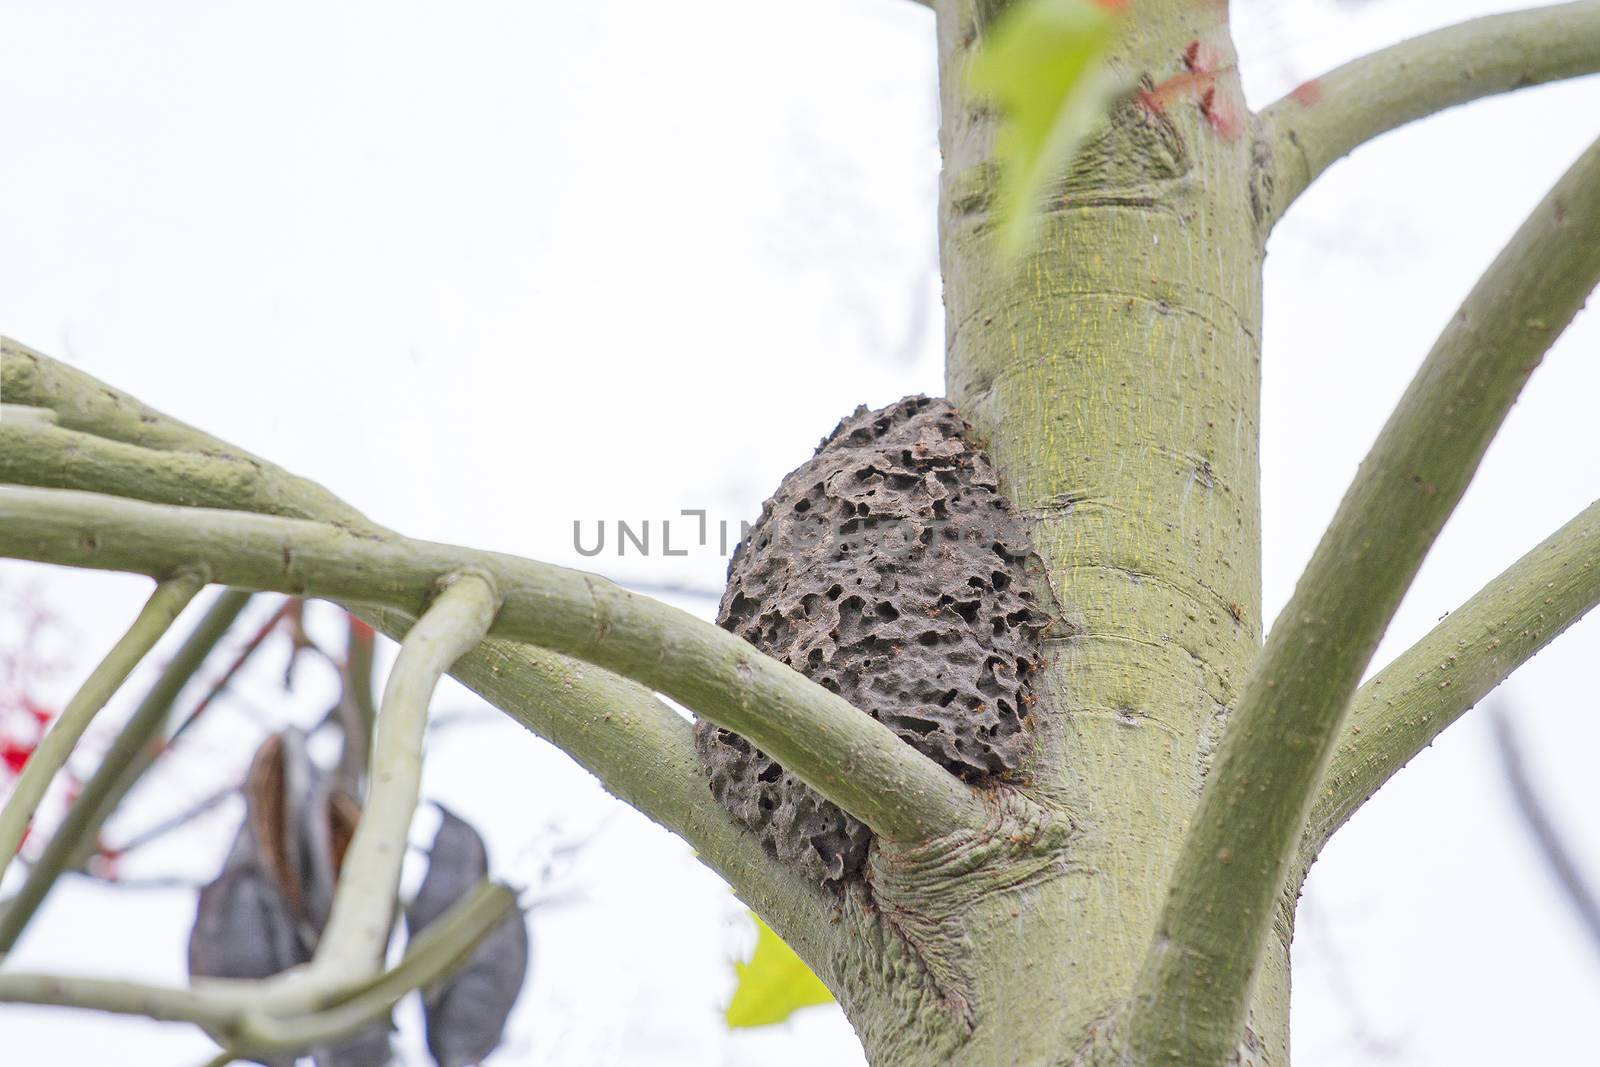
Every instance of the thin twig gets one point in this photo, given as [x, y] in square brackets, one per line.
[112, 778]
[175, 822]
[234, 667]
[1433, 683]
[1552, 845]
[152, 884]
[356, 710]
[154, 620]
[358, 925]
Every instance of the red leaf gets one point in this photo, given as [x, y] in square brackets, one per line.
[41, 715]
[15, 755]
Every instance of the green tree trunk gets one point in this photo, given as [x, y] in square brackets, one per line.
[1114, 373]
[1128, 898]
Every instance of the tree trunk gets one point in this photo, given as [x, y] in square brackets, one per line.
[1113, 376]
[1114, 373]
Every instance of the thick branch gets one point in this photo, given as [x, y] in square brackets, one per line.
[112, 777]
[1328, 117]
[1191, 995]
[848, 757]
[369, 882]
[156, 618]
[16, 413]
[1399, 712]
[638, 748]
[83, 402]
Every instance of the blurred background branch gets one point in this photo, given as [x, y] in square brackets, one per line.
[1542, 827]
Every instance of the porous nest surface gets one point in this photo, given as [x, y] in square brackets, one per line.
[889, 569]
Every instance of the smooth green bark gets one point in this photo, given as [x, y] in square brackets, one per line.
[1326, 118]
[851, 758]
[639, 749]
[361, 917]
[1114, 374]
[1434, 682]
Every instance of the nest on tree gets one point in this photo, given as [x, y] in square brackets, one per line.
[890, 570]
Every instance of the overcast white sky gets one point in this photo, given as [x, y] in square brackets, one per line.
[489, 268]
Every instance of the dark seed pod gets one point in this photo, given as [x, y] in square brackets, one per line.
[266, 910]
[243, 928]
[889, 569]
[466, 1013]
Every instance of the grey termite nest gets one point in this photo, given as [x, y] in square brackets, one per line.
[889, 569]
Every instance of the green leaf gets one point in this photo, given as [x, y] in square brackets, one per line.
[1043, 64]
[774, 984]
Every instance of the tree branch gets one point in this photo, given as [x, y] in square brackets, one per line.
[427, 959]
[369, 881]
[1399, 712]
[1190, 998]
[14, 413]
[111, 778]
[225, 679]
[847, 756]
[357, 712]
[256, 1017]
[640, 749]
[156, 618]
[84, 403]
[119, 998]
[1557, 856]
[1328, 117]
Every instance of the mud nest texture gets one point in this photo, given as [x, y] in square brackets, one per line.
[890, 570]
